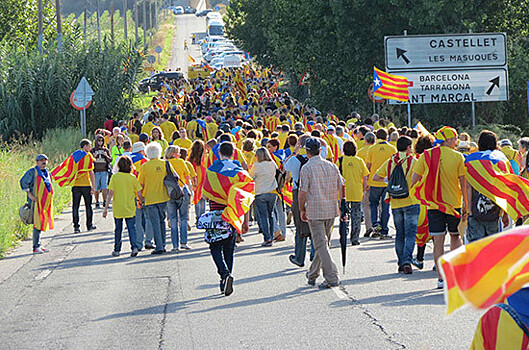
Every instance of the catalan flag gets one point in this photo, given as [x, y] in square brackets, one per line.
[487, 271]
[43, 207]
[229, 184]
[78, 162]
[200, 170]
[490, 173]
[428, 189]
[241, 86]
[287, 194]
[423, 230]
[332, 142]
[389, 86]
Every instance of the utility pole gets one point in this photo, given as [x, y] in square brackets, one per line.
[112, 21]
[125, 18]
[136, 20]
[39, 20]
[59, 24]
[150, 21]
[144, 24]
[156, 14]
[98, 24]
[85, 19]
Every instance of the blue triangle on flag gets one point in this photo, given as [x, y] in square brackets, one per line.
[377, 83]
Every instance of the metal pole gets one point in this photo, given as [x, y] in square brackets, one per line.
[125, 18]
[144, 23]
[136, 20]
[150, 21]
[409, 115]
[156, 14]
[112, 21]
[98, 25]
[59, 24]
[39, 24]
[85, 19]
[473, 104]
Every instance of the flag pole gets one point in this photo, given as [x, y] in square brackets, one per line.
[409, 105]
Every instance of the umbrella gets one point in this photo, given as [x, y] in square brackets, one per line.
[344, 225]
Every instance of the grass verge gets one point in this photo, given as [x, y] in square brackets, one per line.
[15, 159]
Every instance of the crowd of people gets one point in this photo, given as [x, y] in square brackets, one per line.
[258, 155]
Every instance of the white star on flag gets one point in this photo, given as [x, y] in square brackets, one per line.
[377, 82]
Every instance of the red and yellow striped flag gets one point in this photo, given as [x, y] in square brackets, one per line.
[43, 210]
[201, 176]
[487, 271]
[241, 86]
[229, 184]
[490, 173]
[389, 86]
[78, 162]
[332, 142]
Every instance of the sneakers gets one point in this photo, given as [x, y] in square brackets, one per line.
[91, 228]
[293, 261]
[185, 247]
[228, 289]
[407, 269]
[157, 252]
[327, 285]
[40, 250]
[376, 232]
[385, 237]
[222, 285]
[418, 264]
[114, 253]
[134, 252]
[175, 250]
[355, 243]
[266, 244]
[368, 232]
[76, 230]
[97, 205]
[310, 281]
[440, 284]
[280, 238]
[401, 269]
[149, 246]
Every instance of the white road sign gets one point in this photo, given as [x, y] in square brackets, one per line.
[456, 86]
[83, 93]
[457, 51]
[232, 61]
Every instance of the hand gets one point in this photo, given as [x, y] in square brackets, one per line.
[32, 197]
[92, 190]
[303, 214]
[105, 213]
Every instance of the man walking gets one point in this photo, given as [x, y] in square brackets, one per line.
[321, 186]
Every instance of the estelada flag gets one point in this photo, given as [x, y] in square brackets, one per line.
[229, 184]
[487, 271]
[389, 86]
[43, 211]
[490, 173]
[78, 162]
[241, 86]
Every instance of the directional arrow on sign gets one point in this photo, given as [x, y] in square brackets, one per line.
[401, 53]
[495, 83]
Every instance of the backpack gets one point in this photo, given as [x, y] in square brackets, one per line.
[216, 228]
[171, 183]
[397, 184]
[281, 179]
[302, 161]
[483, 208]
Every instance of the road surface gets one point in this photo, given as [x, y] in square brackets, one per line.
[186, 25]
[80, 297]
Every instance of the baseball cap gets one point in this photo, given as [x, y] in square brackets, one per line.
[331, 128]
[138, 147]
[41, 157]
[505, 142]
[312, 144]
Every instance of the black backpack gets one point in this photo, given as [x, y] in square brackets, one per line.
[281, 179]
[171, 183]
[397, 184]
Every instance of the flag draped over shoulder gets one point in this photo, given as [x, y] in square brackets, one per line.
[229, 184]
[78, 162]
[490, 173]
[241, 86]
[487, 271]
[201, 176]
[428, 189]
[332, 142]
[43, 211]
[389, 86]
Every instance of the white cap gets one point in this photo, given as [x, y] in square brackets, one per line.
[138, 147]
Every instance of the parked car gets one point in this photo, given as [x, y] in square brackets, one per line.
[155, 82]
[189, 9]
[178, 10]
[203, 13]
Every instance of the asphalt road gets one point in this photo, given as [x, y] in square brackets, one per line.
[80, 297]
[186, 25]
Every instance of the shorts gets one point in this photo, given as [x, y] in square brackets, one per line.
[439, 222]
[101, 180]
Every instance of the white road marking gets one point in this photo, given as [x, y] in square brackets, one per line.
[43, 275]
[339, 292]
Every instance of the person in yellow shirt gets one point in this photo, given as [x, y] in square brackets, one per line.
[369, 141]
[355, 173]
[191, 129]
[377, 155]
[147, 127]
[178, 210]
[167, 127]
[405, 210]
[248, 151]
[133, 136]
[157, 136]
[183, 141]
[151, 176]
[84, 186]
[211, 128]
[124, 187]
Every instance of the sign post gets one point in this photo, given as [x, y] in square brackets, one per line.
[81, 99]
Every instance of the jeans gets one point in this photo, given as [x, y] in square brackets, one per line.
[405, 220]
[78, 192]
[281, 219]
[131, 226]
[478, 229]
[101, 180]
[222, 254]
[376, 196]
[143, 229]
[355, 212]
[36, 238]
[173, 208]
[156, 215]
[265, 204]
[200, 208]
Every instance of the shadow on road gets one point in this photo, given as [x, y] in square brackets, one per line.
[420, 297]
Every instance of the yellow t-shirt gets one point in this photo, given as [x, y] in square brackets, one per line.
[163, 143]
[134, 138]
[362, 153]
[192, 172]
[383, 173]
[352, 121]
[211, 130]
[376, 156]
[282, 139]
[185, 144]
[83, 179]
[353, 170]
[452, 167]
[125, 187]
[151, 176]
[168, 128]
[180, 167]
[147, 128]
[249, 157]
[360, 144]
[191, 128]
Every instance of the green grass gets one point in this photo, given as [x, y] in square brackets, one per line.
[15, 159]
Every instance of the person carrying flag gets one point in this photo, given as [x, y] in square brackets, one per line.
[78, 171]
[440, 177]
[37, 183]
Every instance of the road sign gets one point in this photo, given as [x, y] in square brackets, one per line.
[151, 59]
[456, 86]
[82, 95]
[158, 49]
[445, 51]
[372, 97]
